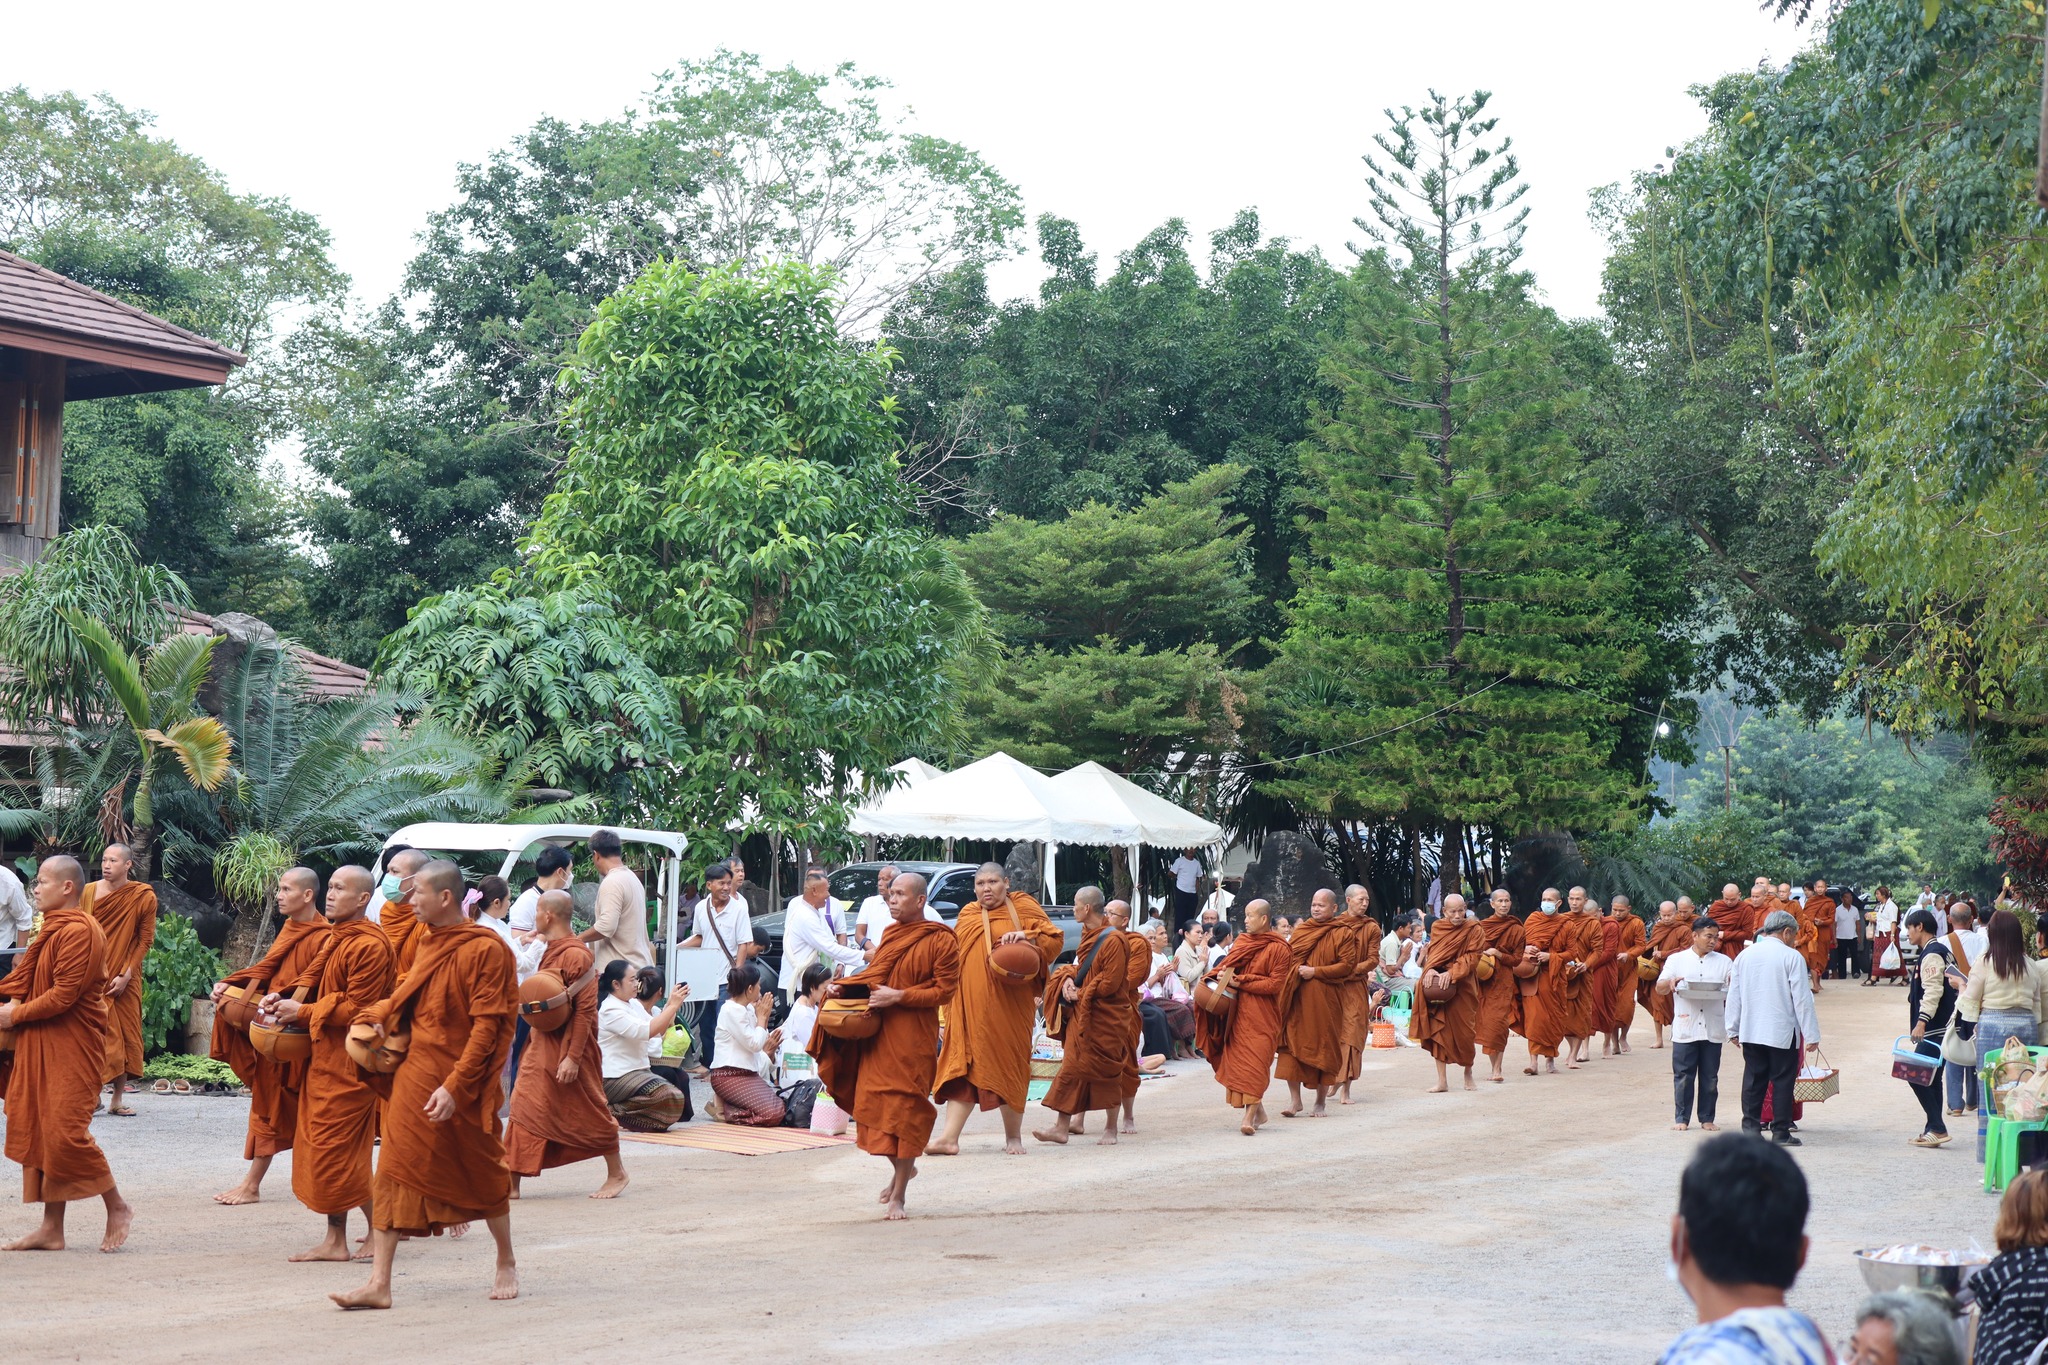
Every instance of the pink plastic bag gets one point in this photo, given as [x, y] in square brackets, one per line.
[827, 1118]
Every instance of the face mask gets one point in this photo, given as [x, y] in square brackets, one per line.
[568, 880]
[390, 885]
[1550, 907]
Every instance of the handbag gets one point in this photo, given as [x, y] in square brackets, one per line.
[1823, 1085]
[1957, 1049]
[799, 1102]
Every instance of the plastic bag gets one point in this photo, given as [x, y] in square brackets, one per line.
[827, 1117]
[1889, 961]
[676, 1042]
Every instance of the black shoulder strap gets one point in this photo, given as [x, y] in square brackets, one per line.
[1081, 972]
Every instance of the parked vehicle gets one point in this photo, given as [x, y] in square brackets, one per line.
[948, 887]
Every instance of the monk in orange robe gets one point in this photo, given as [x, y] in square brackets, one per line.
[987, 1055]
[441, 1163]
[332, 1145]
[55, 1001]
[1544, 1013]
[1632, 942]
[274, 1087]
[1240, 1045]
[1365, 932]
[1324, 953]
[1448, 1029]
[1581, 948]
[1735, 917]
[1097, 1032]
[1601, 977]
[1818, 942]
[1137, 970]
[126, 912]
[1500, 994]
[1671, 932]
[397, 916]
[559, 1112]
[884, 1081]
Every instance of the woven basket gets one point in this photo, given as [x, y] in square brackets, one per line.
[1044, 1068]
[1817, 1089]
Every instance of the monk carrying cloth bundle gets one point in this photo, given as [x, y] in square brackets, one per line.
[1055, 993]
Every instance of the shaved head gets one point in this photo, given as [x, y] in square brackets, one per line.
[914, 881]
[443, 876]
[1258, 916]
[301, 879]
[992, 869]
[554, 910]
[60, 881]
[1088, 898]
[1118, 913]
[348, 894]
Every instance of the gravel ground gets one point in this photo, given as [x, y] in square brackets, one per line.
[1527, 1222]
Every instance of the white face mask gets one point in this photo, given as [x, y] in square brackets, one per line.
[1550, 907]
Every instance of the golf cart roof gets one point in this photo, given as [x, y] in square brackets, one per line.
[462, 838]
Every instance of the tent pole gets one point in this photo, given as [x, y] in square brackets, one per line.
[1052, 856]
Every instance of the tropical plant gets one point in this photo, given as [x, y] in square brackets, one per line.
[177, 968]
[158, 695]
[179, 1066]
[95, 571]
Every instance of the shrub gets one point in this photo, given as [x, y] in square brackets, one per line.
[177, 968]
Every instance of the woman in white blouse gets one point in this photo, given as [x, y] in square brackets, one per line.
[739, 1061]
[639, 1099]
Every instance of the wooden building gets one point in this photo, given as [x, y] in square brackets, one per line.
[60, 343]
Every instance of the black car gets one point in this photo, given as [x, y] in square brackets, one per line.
[948, 886]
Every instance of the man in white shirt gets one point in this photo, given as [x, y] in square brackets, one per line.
[874, 911]
[1770, 1013]
[1845, 939]
[1697, 1026]
[17, 916]
[620, 928]
[811, 927]
[1187, 886]
[550, 873]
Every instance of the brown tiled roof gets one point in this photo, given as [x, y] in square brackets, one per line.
[325, 677]
[42, 310]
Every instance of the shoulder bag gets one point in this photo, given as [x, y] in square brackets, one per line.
[1057, 1006]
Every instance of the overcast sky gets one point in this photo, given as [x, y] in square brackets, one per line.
[1117, 115]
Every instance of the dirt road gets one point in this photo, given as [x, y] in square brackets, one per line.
[1527, 1222]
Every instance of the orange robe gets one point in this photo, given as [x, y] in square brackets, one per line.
[1137, 967]
[1818, 940]
[1241, 1044]
[1666, 937]
[1358, 993]
[52, 1080]
[1633, 944]
[1448, 1029]
[460, 998]
[1737, 922]
[402, 928]
[1097, 1036]
[987, 1054]
[337, 1125]
[885, 1081]
[554, 1124]
[1545, 1012]
[274, 1087]
[1579, 942]
[1312, 1008]
[1500, 997]
[1603, 976]
[128, 918]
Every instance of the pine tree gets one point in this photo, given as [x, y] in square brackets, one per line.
[1450, 607]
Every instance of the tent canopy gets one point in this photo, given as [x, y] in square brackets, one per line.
[916, 772]
[1155, 820]
[996, 798]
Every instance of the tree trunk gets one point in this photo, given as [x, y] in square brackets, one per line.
[1452, 859]
[246, 936]
[1123, 884]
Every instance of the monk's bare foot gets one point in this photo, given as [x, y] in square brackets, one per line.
[612, 1187]
[1468, 1081]
[505, 1284]
[1013, 1146]
[1130, 1125]
[1528, 1071]
[365, 1297]
[40, 1240]
[888, 1192]
[514, 1193]
[1289, 1113]
[942, 1148]
[457, 1231]
[1248, 1127]
[895, 1212]
[1437, 1089]
[1053, 1135]
[1259, 1116]
[326, 1251]
[1108, 1139]
[1656, 1047]
[1571, 1066]
[1319, 1112]
[244, 1193]
[1550, 1068]
[118, 1222]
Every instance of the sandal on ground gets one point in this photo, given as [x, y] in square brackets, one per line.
[122, 1111]
[1931, 1140]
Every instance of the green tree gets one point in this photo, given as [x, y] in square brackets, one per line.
[89, 191]
[1449, 637]
[554, 684]
[732, 482]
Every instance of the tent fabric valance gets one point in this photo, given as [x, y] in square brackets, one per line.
[1157, 821]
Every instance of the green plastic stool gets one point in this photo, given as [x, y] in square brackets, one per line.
[1401, 1000]
[2002, 1154]
[1992, 1134]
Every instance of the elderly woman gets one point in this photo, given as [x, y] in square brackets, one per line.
[641, 1101]
[1164, 989]
[1903, 1327]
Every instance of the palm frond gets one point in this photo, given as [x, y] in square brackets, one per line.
[116, 665]
[202, 747]
[175, 671]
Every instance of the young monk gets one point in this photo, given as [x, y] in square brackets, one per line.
[883, 1081]
[1240, 1045]
[987, 1056]
[1357, 987]
[1312, 1004]
[274, 1087]
[337, 1120]
[1097, 1035]
[1543, 1010]
[1448, 1029]
[1631, 940]
[441, 1163]
[126, 912]
[559, 1113]
[1500, 994]
[55, 999]
[1671, 933]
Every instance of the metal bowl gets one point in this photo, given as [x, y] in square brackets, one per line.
[1884, 1275]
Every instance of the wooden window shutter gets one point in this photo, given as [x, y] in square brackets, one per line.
[20, 438]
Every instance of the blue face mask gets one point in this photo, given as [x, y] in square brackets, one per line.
[389, 887]
[1550, 907]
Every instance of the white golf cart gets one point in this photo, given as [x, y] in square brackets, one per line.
[504, 847]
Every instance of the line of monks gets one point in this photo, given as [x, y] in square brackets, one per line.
[1741, 919]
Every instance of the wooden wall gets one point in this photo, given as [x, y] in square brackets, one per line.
[38, 382]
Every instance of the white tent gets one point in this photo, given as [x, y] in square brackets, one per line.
[916, 772]
[1158, 821]
[999, 798]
